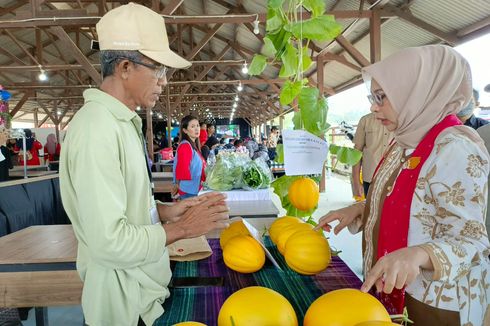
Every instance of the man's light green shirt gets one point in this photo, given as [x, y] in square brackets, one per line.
[106, 193]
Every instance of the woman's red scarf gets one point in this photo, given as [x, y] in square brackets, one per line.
[395, 216]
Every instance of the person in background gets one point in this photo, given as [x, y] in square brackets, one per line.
[425, 245]
[484, 133]
[237, 143]
[229, 144]
[372, 139]
[205, 151]
[175, 143]
[11, 144]
[161, 138]
[211, 135]
[239, 146]
[5, 159]
[203, 136]
[52, 149]
[189, 164]
[264, 141]
[466, 115]
[274, 135]
[105, 180]
[213, 144]
[32, 148]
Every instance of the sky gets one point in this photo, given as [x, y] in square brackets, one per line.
[354, 104]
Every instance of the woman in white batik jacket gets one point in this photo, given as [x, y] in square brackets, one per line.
[425, 244]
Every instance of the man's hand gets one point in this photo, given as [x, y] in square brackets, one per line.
[172, 213]
[209, 213]
[397, 269]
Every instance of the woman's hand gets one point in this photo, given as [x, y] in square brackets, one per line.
[345, 216]
[175, 190]
[397, 269]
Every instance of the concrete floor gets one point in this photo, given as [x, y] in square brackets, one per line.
[338, 195]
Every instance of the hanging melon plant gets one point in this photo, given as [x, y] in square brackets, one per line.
[287, 41]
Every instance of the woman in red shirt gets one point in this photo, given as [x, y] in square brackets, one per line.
[52, 149]
[32, 146]
[189, 164]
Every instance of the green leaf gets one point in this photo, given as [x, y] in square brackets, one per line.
[308, 97]
[281, 188]
[317, 7]
[333, 149]
[274, 22]
[275, 4]
[293, 211]
[322, 111]
[346, 155]
[280, 154]
[289, 91]
[297, 120]
[269, 49]
[289, 61]
[280, 40]
[306, 59]
[313, 111]
[320, 28]
[258, 64]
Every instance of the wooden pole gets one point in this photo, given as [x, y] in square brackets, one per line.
[149, 132]
[375, 36]
[36, 119]
[320, 80]
[57, 121]
[169, 118]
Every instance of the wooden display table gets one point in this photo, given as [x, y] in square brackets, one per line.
[38, 269]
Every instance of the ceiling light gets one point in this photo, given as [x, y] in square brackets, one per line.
[59, 112]
[245, 68]
[235, 105]
[256, 25]
[240, 87]
[42, 76]
[236, 98]
[138, 108]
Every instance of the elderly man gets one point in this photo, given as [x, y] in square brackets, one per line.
[106, 181]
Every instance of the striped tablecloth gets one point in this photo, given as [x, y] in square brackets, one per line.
[203, 304]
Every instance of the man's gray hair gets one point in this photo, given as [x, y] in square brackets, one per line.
[109, 59]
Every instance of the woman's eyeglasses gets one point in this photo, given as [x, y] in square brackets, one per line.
[160, 71]
[376, 98]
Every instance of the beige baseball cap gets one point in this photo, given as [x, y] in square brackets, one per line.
[136, 27]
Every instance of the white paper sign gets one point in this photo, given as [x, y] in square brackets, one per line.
[304, 153]
[256, 235]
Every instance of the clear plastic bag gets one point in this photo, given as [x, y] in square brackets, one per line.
[226, 174]
[256, 175]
